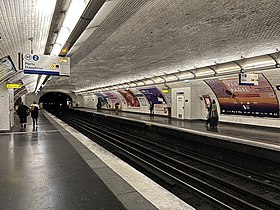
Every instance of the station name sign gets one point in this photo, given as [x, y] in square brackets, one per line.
[248, 79]
[45, 64]
[13, 86]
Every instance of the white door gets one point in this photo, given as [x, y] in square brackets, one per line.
[180, 106]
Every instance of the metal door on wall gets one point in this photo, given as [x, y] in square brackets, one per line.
[180, 106]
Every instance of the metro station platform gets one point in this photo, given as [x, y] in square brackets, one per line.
[55, 167]
[257, 136]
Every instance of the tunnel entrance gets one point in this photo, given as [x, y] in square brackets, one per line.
[55, 101]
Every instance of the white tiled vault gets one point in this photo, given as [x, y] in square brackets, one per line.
[149, 37]
[19, 21]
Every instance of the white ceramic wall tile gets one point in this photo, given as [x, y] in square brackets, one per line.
[4, 108]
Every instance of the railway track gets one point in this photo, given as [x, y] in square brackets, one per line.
[201, 181]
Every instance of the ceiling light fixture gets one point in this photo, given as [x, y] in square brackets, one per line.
[46, 7]
[73, 14]
[100, 16]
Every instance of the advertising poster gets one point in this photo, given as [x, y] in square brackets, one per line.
[130, 98]
[6, 68]
[112, 98]
[102, 98]
[141, 99]
[258, 100]
[153, 94]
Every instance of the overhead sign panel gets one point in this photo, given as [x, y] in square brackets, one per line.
[45, 64]
[248, 79]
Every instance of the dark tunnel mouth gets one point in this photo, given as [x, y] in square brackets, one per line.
[55, 101]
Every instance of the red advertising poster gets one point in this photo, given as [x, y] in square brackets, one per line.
[130, 98]
[254, 100]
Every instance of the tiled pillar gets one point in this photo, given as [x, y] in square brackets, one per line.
[6, 108]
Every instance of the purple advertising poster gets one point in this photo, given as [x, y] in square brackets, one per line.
[112, 97]
[130, 98]
[153, 95]
[254, 100]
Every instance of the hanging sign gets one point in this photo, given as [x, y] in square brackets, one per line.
[46, 64]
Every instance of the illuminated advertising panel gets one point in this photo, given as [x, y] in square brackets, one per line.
[258, 100]
[130, 98]
[7, 68]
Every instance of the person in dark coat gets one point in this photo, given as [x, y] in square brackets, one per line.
[212, 117]
[99, 104]
[209, 108]
[34, 110]
[22, 113]
[152, 106]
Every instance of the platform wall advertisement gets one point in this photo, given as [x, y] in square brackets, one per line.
[130, 98]
[6, 68]
[104, 102]
[153, 94]
[112, 98]
[253, 100]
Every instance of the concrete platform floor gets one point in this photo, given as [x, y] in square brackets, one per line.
[53, 166]
[41, 170]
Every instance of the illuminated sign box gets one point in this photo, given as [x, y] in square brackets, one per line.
[13, 86]
[45, 64]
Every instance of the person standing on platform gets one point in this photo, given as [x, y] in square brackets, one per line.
[34, 109]
[22, 113]
[99, 104]
[209, 108]
[152, 106]
[214, 117]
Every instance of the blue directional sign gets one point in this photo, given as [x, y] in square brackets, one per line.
[45, 64]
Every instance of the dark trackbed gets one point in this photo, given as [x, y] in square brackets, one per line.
[199, 179]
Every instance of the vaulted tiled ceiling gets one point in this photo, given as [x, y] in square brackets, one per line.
[148, 37]
[21, 20]
[142, 38]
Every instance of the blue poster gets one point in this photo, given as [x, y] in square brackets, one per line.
[153, 95]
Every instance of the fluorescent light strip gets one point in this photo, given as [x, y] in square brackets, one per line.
[73, 14]
[269, 61]
[42, 78]
[100, 16]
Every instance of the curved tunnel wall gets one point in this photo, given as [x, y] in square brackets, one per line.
[193, 91]
[194, 105]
